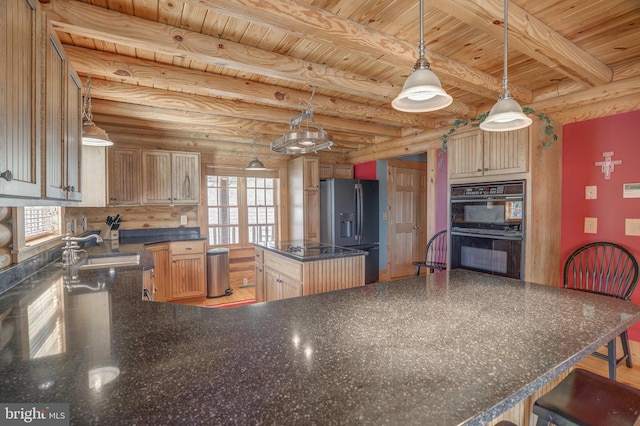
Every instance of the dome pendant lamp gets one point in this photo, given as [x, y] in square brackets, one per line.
[92, 135]
[422, 92]
[506, 114]
[255, 164]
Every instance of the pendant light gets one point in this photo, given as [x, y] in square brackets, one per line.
[255, 164]
[506, 114]
[422, 91]
[92, 135]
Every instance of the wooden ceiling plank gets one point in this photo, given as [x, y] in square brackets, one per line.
[295, 17]
[149, 73]
[83, 19]
[530, 36]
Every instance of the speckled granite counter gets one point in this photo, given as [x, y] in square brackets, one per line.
[453, 348]
[306, 251]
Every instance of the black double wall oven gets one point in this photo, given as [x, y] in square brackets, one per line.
[487, 228]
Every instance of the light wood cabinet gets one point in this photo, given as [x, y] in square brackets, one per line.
[123, 176]
[477, 153]
[338, 171]
[284, 277]
[165, 177]
[180, 270]
[259, 275]
[161, 290]
[21, 33]
[63, 94]
[188, 269]
[304, 199]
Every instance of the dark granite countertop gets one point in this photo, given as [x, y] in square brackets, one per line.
[306, 251]
[451, 348]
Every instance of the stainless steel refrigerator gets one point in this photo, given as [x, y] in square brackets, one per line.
[349, 218]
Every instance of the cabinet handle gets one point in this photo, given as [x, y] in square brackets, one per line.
[69, 188]
[478, 170]
[7, 175]
[188, 248]
[486, 169]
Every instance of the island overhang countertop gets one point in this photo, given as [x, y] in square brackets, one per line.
[450, 348]
[305, 251]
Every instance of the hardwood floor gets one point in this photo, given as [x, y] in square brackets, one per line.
[629, 376]
[239, 293]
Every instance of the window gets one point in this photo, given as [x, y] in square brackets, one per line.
[41, 222]
[241, 210]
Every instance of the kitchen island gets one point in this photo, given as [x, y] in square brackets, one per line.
[449, 348]
[287, 269]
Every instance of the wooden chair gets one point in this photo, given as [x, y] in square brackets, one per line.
[435, 254]
[587, 399]
[609, 269]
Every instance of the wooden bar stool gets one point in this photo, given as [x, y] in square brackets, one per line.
[587, 399]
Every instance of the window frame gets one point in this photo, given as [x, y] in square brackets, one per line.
[23, 249]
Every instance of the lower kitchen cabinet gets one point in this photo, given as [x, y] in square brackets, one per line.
[281, 277]
[180, 269]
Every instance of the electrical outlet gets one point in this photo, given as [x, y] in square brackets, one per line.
[590, 192]
[183, 219]
[632, 227]
[590, 225]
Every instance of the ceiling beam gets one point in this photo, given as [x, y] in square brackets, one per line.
[153, 74]
[113, 27]
[158, 98]
[530, 36]
[300, 19]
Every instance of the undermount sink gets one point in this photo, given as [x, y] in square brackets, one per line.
[111, 261]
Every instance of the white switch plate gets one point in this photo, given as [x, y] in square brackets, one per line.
[590, 225]
[632, 227]
[590, 192]
[183, 219]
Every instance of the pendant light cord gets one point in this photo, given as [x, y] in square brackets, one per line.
[505, 84]
[421, 42]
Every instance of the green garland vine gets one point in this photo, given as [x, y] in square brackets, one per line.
[476, 121]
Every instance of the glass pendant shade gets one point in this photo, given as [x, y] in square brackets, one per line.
[505, 115]
[422, 91]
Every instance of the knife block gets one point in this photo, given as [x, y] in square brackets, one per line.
[109, 234]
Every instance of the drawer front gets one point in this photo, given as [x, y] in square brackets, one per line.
[187, 247]
[259, 255]
[283, 265]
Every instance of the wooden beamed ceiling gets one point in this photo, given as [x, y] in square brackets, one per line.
[211, 74]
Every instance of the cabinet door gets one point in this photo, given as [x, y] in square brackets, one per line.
[312, 215]
[185, 178]
[161, 291]
[505, 152]
[289, 287]
[73, 135]
[325, 171]
[156, 177]
[54, 119]
[124, 176]
[465, 157]
[259, 282]
[311, 173]
[21, 32]
[271, 285]
[188, 276]
[343, 171]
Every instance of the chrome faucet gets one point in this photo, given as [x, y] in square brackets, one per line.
[71, 250]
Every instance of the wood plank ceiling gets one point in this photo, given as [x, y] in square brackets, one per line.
[212, 74]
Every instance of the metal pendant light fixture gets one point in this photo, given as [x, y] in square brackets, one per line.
[299, 140]
[422, 91]
[506, 114]
[255, 164]
[92, 135]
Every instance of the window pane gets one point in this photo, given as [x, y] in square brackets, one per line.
[251, 196]
[41, 221]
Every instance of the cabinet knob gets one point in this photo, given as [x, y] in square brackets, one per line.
[7, 175]
[478, 170]
[486, 169]
[69, 188]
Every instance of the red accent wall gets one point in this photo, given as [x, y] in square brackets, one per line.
[365, 170]
[583, 145]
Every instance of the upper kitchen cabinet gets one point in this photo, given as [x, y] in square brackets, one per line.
[338, 171]
[477, 153]
[21, 32]
[153, 177]
[63, 94]
[123, 176]
[170, 177]
[304, 199]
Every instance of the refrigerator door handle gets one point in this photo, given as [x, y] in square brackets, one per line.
[359, 211]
